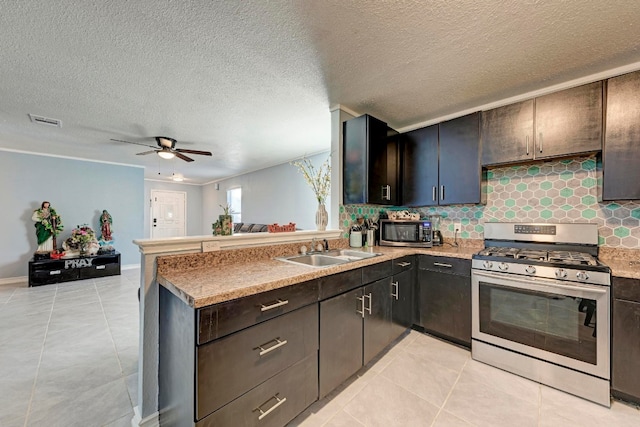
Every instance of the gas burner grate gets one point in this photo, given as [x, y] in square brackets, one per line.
[503, 252]
[532, 255]
[576, 258]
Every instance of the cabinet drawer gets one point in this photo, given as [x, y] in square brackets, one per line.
[626, 289]
[231, 366]
[403, 264]
[339, 283]
[223, 319]
[48, 276]
[274, 402]
[99, 270]
[374, 272]
[445, 264]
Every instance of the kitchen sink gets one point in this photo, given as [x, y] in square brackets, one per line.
[314, 260]
[326, 259]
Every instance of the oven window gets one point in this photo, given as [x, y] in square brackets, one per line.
[559, 324]
[400, 232]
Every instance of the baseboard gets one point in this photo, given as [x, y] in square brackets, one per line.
[152, 420]
[129, 267]
[14, 280]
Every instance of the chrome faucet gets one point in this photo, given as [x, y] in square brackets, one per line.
[313, 245]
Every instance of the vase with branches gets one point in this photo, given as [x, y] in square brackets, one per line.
[319, 179]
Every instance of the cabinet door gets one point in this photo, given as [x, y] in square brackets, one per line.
[625, 364]
[445, 305]
[377, 319]
[420, 167]
[459, 166]
[340, 339]
[359, 134]
[621, 151]
[569, 122]
[507, 134]
[401, 302]
[384, 162]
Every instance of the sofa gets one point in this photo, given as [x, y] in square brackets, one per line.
[242, 227]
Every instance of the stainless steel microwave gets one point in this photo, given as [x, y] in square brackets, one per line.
[414, 233]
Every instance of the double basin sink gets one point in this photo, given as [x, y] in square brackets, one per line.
[329, 258]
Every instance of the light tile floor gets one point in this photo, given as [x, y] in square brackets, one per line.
[69, 353]
[422, 381]
[68, 357]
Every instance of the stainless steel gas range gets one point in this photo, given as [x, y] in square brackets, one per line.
[540, 306]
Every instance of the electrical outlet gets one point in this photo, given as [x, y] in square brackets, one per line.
[457, 227]
[210, 246]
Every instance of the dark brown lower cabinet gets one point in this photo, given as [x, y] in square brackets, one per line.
[625, 332]
[340, 339]
[273, 403]
[377, 318]
[402, 302]
[445, 299]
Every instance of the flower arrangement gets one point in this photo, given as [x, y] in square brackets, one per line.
[318, 179]
[81, 236]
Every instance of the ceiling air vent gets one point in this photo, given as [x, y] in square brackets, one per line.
[45, 121]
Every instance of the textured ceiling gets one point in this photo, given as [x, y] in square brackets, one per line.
[253, 81]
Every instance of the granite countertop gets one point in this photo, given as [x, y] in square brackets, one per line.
[201, 283]
[623, 262]
[210, 278]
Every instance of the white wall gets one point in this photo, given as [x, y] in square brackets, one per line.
[78, 191]
[276, 194]
[194, 205]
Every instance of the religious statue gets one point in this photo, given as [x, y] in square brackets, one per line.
[48, 226]
[105, 226]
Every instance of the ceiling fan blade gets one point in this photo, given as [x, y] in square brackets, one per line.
[183, 157]
[146, 152]
[202, 153]
[129, 142]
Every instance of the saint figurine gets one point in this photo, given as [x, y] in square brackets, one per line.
[105, 226]
[48, 225]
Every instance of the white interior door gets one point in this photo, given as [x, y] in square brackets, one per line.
[168, 213]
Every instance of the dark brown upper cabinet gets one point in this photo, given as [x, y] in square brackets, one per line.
[459, 171]
[560, 124]
[441, 163]
[621, 150]
[370, 163]
[420, 167]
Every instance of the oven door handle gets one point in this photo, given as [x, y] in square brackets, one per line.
[596, 289]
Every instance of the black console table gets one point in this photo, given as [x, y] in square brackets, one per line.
[47, 271]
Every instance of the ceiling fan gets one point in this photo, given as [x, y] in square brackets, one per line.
[167, 149]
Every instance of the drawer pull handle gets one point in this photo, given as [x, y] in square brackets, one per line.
[278, 303]
[442, 264]
[54, 272]
[278, 344]
[404, 264]
[268, 411]
[100, 267]
[394, 290]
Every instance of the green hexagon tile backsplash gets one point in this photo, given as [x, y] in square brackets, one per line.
[555, 191]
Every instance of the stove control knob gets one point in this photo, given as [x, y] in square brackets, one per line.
[582, 275]
[487, 264]
[561, 273]
[530, 269]
[503, 266]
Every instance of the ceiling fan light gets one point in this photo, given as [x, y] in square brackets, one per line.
[166, 154]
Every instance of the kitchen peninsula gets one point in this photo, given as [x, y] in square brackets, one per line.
[198, 280]
[208, 286]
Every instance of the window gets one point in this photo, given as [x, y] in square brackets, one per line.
[234, 199]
